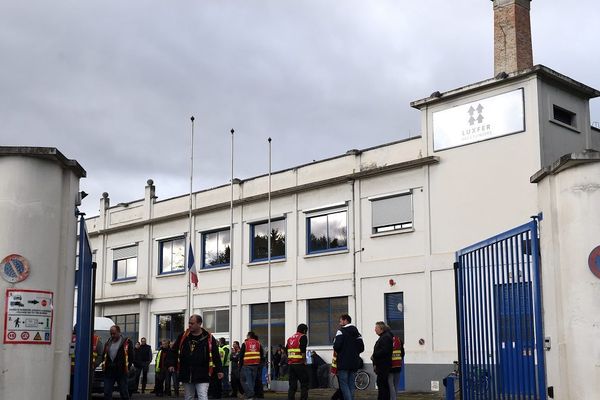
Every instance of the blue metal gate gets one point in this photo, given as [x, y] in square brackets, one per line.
[500, 317]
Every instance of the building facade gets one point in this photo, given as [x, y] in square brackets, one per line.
[370, 232]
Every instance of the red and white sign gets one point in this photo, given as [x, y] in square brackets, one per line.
[28, 316]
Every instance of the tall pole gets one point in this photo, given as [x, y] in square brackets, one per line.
[189, 246]
[231, 255]
[269, 356]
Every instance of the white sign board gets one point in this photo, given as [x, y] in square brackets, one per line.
[499, 115]
[28, 317]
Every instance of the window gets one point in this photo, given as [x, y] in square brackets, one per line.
[394, 313]
[125, 263]
[392, 213]
[258, 233]
[327, 232]
[216, 321]
[564, 116]
[259, 322]
[216, 248]
[171, 254]
[169, 326]
[129, 324]
[323, 319]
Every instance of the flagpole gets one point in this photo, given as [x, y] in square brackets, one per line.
[231, 255]
[269, 356]
[189, 287]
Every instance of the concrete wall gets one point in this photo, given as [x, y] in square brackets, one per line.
[37, 210]
[569, 231]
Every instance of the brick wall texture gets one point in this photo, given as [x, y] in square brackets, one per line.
[512, 36]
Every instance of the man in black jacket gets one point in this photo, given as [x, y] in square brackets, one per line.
[348, 344]
[198, 359]
[118, 358]
[143, 358]
[382, 359]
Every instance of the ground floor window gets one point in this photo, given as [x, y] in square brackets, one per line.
[323, 319]
[169, 326]
[129, 324]
[216, 322]
[259, 323]
[394, 313]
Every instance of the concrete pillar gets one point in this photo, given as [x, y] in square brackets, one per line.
[569, 195]
[512, 36]
[37, 210]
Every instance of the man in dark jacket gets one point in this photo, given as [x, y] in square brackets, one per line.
[198, 359]
[118, 358]
[382, 359]
[348, 344]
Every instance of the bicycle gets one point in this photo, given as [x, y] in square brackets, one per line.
[362, 380]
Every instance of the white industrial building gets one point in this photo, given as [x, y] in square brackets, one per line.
[370, 232]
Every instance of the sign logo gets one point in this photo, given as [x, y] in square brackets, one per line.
[594, 261]
[12, 335]
[15, 268]
[24, 335]
[479, 118]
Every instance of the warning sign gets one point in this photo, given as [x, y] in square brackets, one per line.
[28, 317]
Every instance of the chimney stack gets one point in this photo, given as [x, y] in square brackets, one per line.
[512, 36]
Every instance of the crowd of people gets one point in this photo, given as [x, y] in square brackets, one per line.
[199, 363]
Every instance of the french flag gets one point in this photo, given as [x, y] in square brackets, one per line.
[192, 267]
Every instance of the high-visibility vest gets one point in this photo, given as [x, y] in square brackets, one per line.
[126, 354]
[397, 353]
[224, 353]
[334, 363]
[95, 340]
[252, 353]
[295, 356]
[157, 361]
[211, 364]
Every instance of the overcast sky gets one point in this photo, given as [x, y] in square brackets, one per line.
[113, 84]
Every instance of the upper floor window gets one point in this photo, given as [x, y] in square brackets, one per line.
[171, 255]
[565, 116]
[259, 240]
[392, 213]
[327, 232]
[216, 249]
[125, 263]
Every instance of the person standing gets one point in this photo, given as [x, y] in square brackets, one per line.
[298, 370]
[224, 351]
[197, 359]
[382, 359]
[397, 357]
[161, 368]
[251, 354]
[348, 344]
[236, 383]
[143, 358]
[118, 358]
[275, 362]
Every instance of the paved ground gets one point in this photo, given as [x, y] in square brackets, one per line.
[320, 394]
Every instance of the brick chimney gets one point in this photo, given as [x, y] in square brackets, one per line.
[512, 36]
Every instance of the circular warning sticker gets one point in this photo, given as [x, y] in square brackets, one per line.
[24, 335]
[15, 268]
[11, 335]
[594, 261]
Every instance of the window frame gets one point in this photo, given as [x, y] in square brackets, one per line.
[124, 331]
[215, 311]
[161, 243]
[173, 335]
[204, 234]
[280, 325]
[253, 226]
[331, 322]
[406, 226]
[115, 262]
[327, 213]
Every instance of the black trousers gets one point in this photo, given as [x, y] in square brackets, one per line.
[298, 372]
[383, 392]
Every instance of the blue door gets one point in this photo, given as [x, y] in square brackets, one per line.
[394, 315]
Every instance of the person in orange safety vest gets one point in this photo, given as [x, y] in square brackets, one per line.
[251, 355]
[298, 370]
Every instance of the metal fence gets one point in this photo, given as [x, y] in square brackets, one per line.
[499, 317]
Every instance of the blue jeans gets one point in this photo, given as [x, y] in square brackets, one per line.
[248, 374]
[109, 381]
[346, 380]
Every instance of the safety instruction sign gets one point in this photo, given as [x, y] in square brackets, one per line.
[28, 317]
